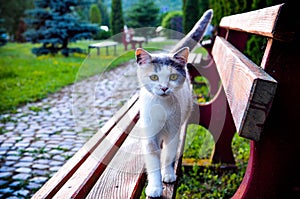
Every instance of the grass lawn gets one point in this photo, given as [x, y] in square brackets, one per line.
[210, 181]
[27, 78]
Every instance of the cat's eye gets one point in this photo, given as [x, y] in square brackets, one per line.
[173, 77]
[154, 77]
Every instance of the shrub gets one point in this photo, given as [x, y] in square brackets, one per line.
[102, 34]
[173, 21]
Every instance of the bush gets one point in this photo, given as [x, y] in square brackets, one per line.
[102, 34]
[255, 48]
[173, 21]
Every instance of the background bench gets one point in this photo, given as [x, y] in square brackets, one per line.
[110, 165]
[128, 38]
[104, 44]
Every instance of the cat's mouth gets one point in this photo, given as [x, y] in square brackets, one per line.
[163, 95]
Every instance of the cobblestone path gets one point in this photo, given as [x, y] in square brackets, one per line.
[40, 137]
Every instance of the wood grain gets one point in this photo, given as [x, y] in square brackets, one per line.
[249, 89]
[53, 185]
[87, 174]
[124, 177]
[261, 22]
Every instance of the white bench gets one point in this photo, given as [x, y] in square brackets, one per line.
[103, 44]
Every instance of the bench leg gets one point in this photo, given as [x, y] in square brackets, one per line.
[140, 44]
[133, 45]
[125, 46]
[98, 51]
[106, 50]
[216, 116]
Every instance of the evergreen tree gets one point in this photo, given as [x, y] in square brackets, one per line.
[95, 16]
[3, 35]
[104, 13]
[54, 24]
[190, 14]
[12, 12]
[143, 14]
[116, 19]
[203, 6]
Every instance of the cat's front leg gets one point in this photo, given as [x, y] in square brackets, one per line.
[169, 152]
[152, 161]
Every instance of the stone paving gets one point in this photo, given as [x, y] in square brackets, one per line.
[37, 139]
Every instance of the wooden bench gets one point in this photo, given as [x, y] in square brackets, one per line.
[104, 44]
[109, 165]
[128, 38]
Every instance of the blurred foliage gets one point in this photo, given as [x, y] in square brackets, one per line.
[3, 34]
[173, 21]
[104, 13]
[190, 14]
[255, 48]
[116, 17]
[95, 15]
[201, 90]
[13, 12]
[143, 13]
[102, 34]
[55, 24]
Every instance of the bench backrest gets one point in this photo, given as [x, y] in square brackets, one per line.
[249, 89]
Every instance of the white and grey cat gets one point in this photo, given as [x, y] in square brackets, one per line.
[166, 103]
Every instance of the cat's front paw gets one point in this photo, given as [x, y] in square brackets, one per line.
[154, 191]
[169, 178]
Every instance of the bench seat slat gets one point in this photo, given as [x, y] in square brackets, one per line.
[191, 57]
[198, 59]
[261, 22]
[125, 175]
[249, 89]
[61, 177]
[88, 173]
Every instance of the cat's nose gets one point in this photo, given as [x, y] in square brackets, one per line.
[164, 89]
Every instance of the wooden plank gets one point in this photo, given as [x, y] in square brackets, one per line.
[58, 180]
[249, 89]
[124, 177]
[191, 57]
[87, 174]
[261, 22]
[198, 59]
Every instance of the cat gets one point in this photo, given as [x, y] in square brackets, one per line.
[165, 105]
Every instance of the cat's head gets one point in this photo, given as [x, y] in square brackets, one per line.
[162, 74]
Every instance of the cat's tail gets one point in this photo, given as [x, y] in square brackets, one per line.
[196, 34]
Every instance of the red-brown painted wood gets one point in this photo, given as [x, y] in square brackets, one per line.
[273, 167]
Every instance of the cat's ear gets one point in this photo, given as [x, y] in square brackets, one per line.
[182, 55]
[142, 56]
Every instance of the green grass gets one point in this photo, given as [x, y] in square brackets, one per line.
[210, 181]
[26, 78]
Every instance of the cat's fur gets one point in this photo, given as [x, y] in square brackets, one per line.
[166, 102]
